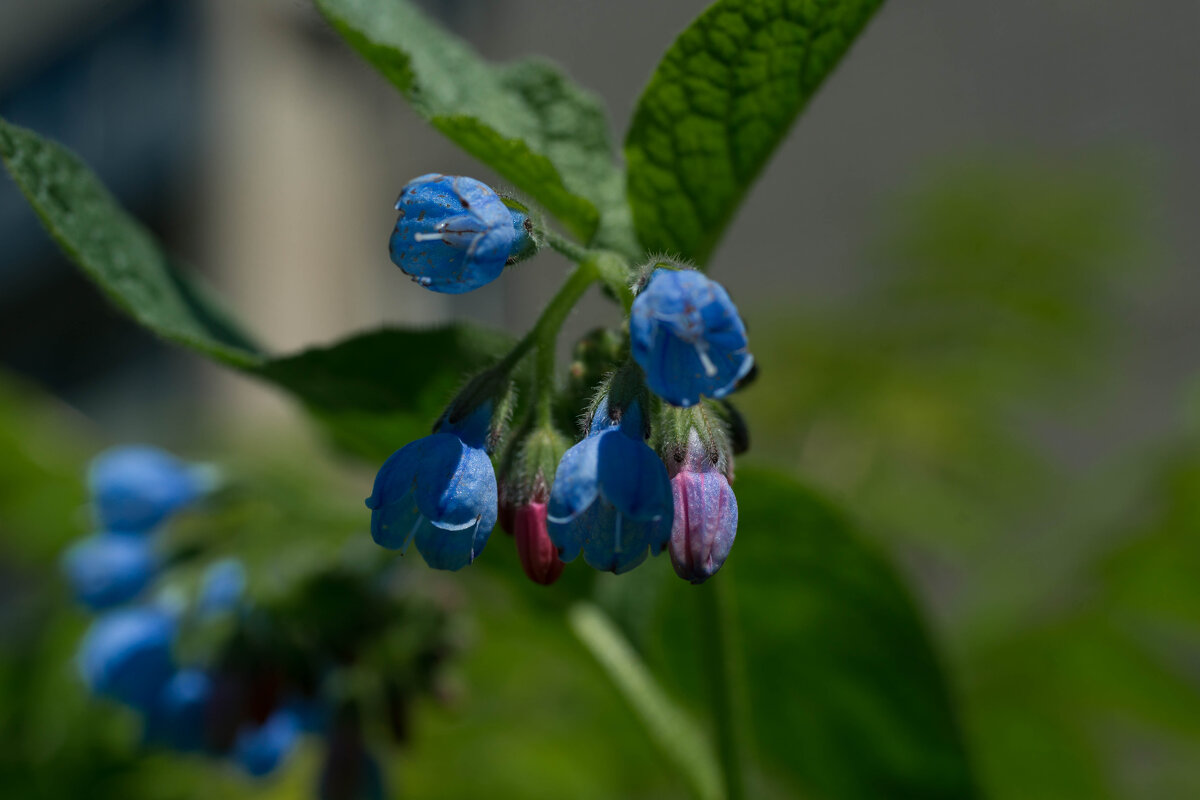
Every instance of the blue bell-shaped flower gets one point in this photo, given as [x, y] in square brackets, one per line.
[455, 234]
[685, 333]
[611, 497]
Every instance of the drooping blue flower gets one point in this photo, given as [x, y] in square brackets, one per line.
[108, 569]
[135, 487]
[611, 496]
[686, 335]
[126, 655]
[179, 717]
[221, 587]
[259, 749]
[439, 491]
[455, 234]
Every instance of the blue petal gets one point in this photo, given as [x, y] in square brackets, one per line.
[615, 543]
[686, 334]
[454, 234]
[136, 487]
[393, 501]
[109, 569]
[222, 587]
[126, 655]
[473, 428]
[179, 717]
[460, 510]
[576, 481]
[456, 484]
[259, 750]
[634, 479]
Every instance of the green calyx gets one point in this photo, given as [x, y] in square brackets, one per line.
[694, 438]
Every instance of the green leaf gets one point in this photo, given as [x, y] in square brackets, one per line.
[847, 697]
[115, 251]
[719, 103]
[374, 391]
[668, 725]
[377, 391]
[525, 120]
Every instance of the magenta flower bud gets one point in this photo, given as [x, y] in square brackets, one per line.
[706, 513]
[539, 556]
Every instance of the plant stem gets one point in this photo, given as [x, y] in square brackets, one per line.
[719, 661]
[574, 252]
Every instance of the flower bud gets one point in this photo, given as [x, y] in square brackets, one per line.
[455, 234]
[259, 749]
[539, 556]
[697, 452]
[529, 470]
[134, 487]
[126, 655]
[109, 569]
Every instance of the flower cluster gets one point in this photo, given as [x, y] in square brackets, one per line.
[653, 468]
[212, 668]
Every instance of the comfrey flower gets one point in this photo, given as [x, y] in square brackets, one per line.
[439, 491]
[455, 234]
[528, 475]
[611, 497]
[686, 334]
[134, 487]
[108, 569]
[706, 516]
[221, 587]
[259, 749]
[179, 717]
[126, 655]
[697, 452]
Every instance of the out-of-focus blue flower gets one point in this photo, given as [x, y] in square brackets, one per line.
[611, 496]
[706, 516]
[260, 749]
[222, 587]
[440, 491]
[454, 234]
[686, 335]
[179, 718]
[126, 655]
[108, 569]
[135, 487]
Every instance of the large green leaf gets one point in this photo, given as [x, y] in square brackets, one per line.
[525, 120]
[375, 391]
[719, 103]
[847, 698]
[115, 251]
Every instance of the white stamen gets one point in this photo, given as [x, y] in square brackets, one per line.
[426, 237]
[710, 369]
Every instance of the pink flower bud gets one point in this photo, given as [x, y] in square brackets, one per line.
[705, 522]
[539, 557]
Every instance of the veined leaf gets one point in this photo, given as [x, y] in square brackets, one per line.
[847, 697]
[719, 103]
[374, 391]
[525, 120]
[116, 252]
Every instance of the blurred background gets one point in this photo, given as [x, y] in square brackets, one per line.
[967, 277]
